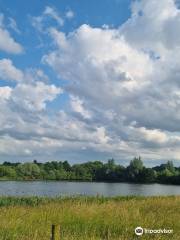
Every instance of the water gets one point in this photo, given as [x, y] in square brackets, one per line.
[53, 188]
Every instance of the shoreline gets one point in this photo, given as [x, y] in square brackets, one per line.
[6, 201]
[84, 181]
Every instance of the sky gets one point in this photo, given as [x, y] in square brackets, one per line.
[82, 81]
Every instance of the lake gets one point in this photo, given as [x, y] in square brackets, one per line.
[58, 188]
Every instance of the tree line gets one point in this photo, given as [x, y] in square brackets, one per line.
[135, 172]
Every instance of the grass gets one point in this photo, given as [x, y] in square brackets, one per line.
[95, 218]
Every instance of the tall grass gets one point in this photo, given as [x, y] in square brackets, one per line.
[88, 217]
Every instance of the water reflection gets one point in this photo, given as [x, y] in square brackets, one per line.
[42, 188]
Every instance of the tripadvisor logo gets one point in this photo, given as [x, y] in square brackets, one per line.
[139, 231]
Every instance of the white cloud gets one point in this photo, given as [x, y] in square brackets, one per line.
[101, 135]
[7, 43]
[8, 71]
[5, 93]
[77, 106]
[41, 22]
[51, 12]
[13, 25]
[123, 88]
[69, 14]
[153, 25]
[34, 97]
[151, 135]
[132, 72]
[104, 53]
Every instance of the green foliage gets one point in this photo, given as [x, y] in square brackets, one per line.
[148, 175]
[136, 165]
[91, 171]
[133, 171]
[28, 170]
[7, 172]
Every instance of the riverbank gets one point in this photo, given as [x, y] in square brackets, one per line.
[4, 179]
[88, 217]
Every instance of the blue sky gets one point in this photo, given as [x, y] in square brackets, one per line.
[110, 12]
[84, 12]
[86, 81]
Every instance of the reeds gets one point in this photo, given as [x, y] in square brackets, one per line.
[95, 218]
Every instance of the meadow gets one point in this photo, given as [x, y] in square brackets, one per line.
[91, 218]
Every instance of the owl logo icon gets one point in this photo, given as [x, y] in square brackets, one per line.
[139, 231]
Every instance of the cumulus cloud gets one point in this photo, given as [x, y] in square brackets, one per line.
[7, 43]
[8, 71]
[34, 97]
[5, 93]
[153, 25]
[24, 117]
[131, 71]
[77, 106]
[122, 86]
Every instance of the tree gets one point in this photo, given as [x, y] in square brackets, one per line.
[147, 175]
[111, 164]
[134, 169]
[28, 170]
[61, 174]
[9, 172]
[170, 166]
[66, 166]
[81, 172]
[136, 164]
[92, 171]
[51, 175]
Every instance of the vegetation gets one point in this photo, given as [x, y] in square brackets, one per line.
[88, 218]
[91, 171]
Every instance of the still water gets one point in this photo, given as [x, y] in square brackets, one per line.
[53, 188]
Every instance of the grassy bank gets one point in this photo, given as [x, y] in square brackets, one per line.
[88, 217]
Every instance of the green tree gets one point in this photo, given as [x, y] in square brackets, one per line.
[66, 166]
[147, 175]
[170, 167]
[28, 170]
[133, 171]
[9, 172]
[136, 164]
